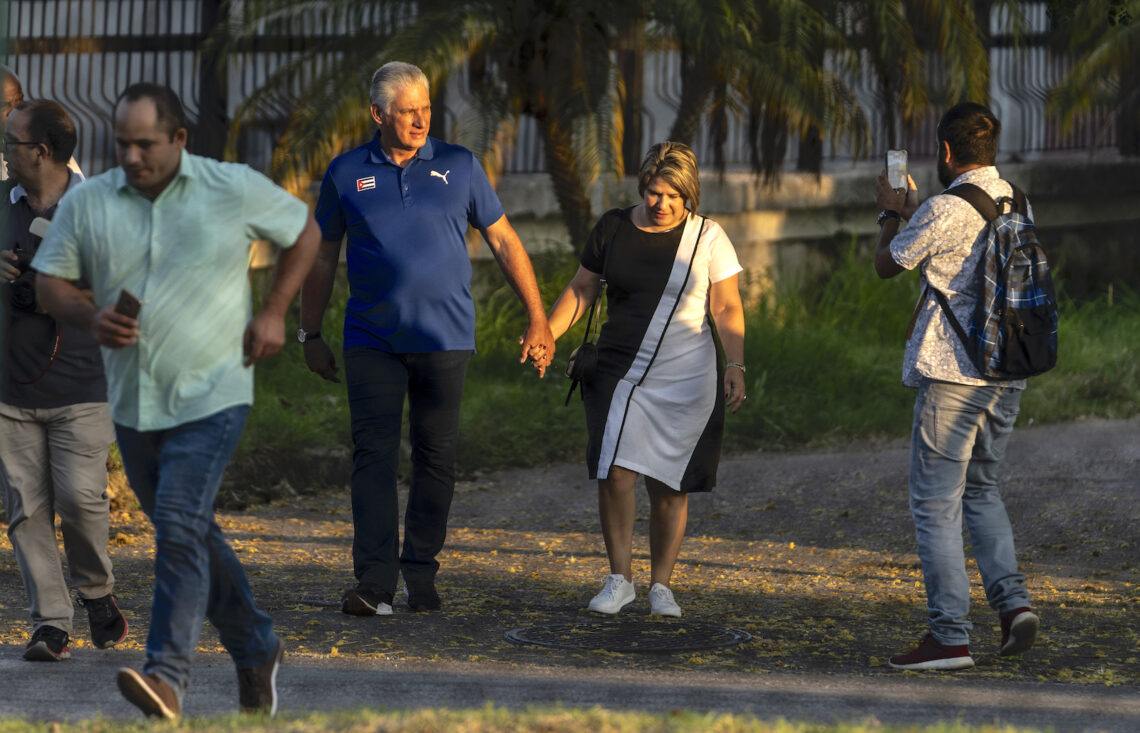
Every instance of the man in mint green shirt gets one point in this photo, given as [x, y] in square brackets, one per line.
[174, 229]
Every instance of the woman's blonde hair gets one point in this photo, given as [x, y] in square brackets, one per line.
[676, 164]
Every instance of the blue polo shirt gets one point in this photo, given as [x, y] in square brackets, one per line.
[409, 273]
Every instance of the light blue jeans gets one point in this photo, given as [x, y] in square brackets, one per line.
[958, 441]
[176, 473]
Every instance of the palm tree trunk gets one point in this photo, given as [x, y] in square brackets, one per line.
[631, 64]
[1128, 119]
[696, 85]
[809, 159]
[567, 178]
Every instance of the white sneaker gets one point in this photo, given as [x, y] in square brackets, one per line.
[661, 602]
[616, 595]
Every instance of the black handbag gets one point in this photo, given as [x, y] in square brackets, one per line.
[584, 359]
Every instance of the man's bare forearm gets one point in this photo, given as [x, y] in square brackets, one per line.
[65, 302]
[317, 290]
[293, 265]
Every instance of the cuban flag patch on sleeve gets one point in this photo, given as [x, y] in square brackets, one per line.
[365, 184]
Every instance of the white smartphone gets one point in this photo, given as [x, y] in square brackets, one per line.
[896, 168]
[39, 227]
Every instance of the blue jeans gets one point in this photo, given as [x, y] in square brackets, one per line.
[175, 474]
[959, 439]
[377, 382]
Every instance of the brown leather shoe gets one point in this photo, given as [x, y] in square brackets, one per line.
[150, 694]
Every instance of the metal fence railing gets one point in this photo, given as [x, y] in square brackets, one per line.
[81, 53]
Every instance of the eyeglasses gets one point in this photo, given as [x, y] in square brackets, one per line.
[8, 143]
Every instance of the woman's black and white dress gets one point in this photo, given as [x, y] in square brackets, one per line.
[655, 403]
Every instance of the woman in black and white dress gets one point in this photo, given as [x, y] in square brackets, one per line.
[655, 402]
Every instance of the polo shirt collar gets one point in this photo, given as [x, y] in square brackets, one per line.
[187, 168]
[18, 191]
[377, 155]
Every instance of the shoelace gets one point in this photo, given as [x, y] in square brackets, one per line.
[611, 589]
[98, 608]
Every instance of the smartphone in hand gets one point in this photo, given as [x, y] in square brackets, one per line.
[128, 304]
[896, 168]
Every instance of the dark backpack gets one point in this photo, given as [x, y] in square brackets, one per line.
[1013, 331]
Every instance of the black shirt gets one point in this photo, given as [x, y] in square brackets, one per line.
[46, 364]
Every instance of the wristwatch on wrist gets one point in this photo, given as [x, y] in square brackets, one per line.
[887, 214]
[303, 335]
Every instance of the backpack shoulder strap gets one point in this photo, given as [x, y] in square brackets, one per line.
[1019, 201]
[978, 198]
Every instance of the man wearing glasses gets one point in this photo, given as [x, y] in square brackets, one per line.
[14, 97]
[55, 425]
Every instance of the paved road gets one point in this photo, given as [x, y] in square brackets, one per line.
[85, 687]
[1084, 455]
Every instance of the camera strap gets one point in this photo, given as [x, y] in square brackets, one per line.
[51, 359]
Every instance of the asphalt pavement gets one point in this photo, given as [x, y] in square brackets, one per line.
[84, 687]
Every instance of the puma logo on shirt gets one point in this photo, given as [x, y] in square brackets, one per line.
[437, 174]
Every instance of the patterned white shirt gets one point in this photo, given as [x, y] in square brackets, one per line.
[943, 238]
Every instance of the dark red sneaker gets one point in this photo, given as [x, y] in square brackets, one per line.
[929, 654]
[1018, 631]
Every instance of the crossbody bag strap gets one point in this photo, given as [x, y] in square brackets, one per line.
[677, 297]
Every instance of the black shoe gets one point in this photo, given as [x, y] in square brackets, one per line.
[48, 644]
[257, 686]
[108, 626]
[149, 693]
[422, 595]
[367, 600]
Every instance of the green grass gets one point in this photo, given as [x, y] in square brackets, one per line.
[824, 357]
[491, 719]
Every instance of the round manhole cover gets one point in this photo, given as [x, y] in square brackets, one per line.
[629, 636]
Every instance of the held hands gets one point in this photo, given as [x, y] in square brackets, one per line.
[264, 336]
[904, 201]
[114, 330]
[734, 394]
[538, 346]
[320, 360]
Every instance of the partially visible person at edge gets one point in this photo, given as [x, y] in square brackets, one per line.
[655, 401]
[175, 229]
[55, 425]
[404, 200]
[962, 421]
[13, 92]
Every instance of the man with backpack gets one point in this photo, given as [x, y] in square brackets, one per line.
[976, 277]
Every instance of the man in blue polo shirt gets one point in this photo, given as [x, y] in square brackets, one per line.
[404, 200]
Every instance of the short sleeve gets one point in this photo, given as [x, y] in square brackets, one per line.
[272, 212]
[593, 256]
[58, 254]
[929, 232]
[484, 207]
[329, 214]
[723, 262]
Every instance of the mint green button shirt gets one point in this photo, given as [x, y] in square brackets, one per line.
[186, 256]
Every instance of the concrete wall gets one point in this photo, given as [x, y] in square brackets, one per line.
[1087, 211]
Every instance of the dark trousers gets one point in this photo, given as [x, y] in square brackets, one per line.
[377, 384]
